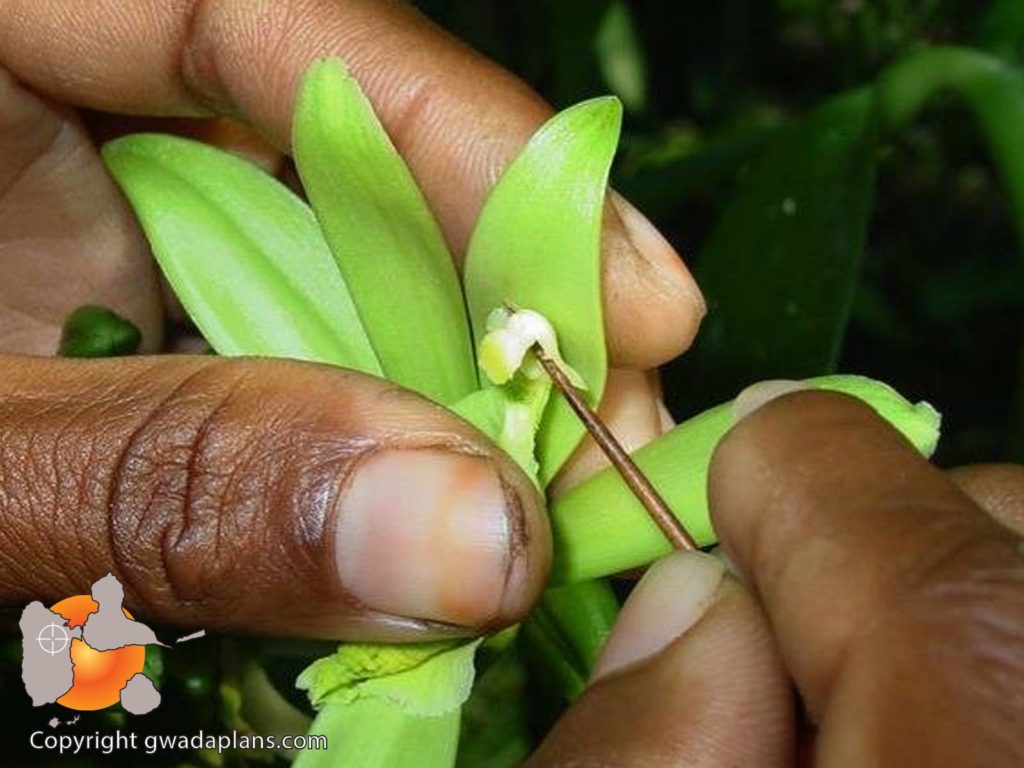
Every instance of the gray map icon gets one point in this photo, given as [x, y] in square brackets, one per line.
[47, 669]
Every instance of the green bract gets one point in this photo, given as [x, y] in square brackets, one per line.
[389, 705]
[383, 236]
[435, 686]
[242, 252]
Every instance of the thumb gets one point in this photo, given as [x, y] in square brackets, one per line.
[263, 496]
[689, 676]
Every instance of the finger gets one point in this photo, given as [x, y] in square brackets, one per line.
[260, 496]
[631, 408]
[689, 676]
[457, 118]
[66, 236]
[223, 132]
[996, 488]
[898, 605]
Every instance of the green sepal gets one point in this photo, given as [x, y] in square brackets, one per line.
[537, 246]
[383, 236]
[243, 253]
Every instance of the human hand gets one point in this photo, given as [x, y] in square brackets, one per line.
[884, 589]
[263, 496]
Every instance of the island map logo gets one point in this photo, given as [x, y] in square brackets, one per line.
[87, 652]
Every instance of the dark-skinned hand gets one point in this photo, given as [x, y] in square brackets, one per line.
[260, 494]
[888, 594]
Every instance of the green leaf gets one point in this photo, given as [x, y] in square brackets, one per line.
[383, 236]
[780, 269]
[537, 246]
[497, 720]
[242, 252]
[994, 92]
[92, 331]
[620, 55]
[599, 528]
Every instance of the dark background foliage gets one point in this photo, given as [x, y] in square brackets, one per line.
[918, 235]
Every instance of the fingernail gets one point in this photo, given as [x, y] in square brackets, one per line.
[670, 599]
[757, 395]
[428, 534]
[656, 250]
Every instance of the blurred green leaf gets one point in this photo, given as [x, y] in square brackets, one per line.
[661, 173]
[570, 56]
[992, 89]
[383, 236]
[264, 709]
[496, 719]
[92, 331]
[994, 92]
[782, 264]
[243, 253]
[153, 666]
[620, 55]
[537, 246]
[565, 632]
[1001, 29]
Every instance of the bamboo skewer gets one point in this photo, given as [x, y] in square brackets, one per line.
[631, 474]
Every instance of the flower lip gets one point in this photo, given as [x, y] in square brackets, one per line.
[511, 334]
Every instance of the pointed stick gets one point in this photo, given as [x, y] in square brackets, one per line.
[637, 481]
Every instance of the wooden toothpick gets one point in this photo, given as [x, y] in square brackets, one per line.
[631, 474]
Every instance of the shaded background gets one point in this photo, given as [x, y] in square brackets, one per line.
[920, 228]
